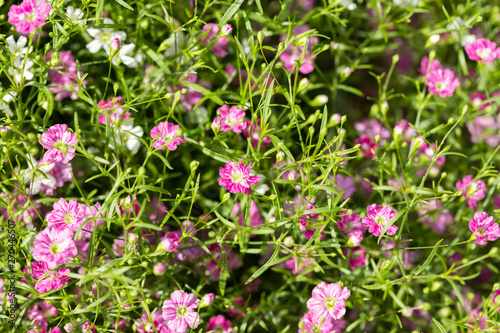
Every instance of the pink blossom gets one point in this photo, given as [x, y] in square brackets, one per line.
[435, 217]
[254, 214]
[179, 311]
[219, 44]
[236, 178]
[167, 135]
[59, 143]
[314, 324]
[62, 173]
[213, 268]
[207, 299]
[477, 190]
[256, 131]
[429, 150]
[328, 300]
[377, 218]
[484, 228]
[478, 321]
[371, 128]
[226, 30]
[113, 109]
[144, 323]
[41, 313]
[191, 97]
[88, 327]
[356, 256]
[53, 281]
[496, 201]
[366, 145]
[495, 295]
[477, 99]
[170, 242]
[345, 183]
[29, 15]
[292, 54]
[484, 129]
[64, 76]
[298, 263]
[220, 324]
[352, 225]
[442, 82]
[230, 119]
[66, 215]
[482, 50]
[425, 68]
[54, 246]
[405, 131]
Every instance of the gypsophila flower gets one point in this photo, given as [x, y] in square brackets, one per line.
[66, 215]
[54, 247]
[230, 119]
[167, 135]
[75, 15]
[18, 49]
[29, 15]
[352, 225]
[328, 300]
[179, 311]
[484, 228]
[220, 324]
[59, 143]
[125, 55]
[21, 70]
[52, 281]
[170, 242]
[483, 50]
[442, 82]
[473, 192]
[377, 218]
[103, 37]
[236, 178]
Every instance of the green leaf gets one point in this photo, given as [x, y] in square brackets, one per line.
[429, 258]
[230, 13]
[50, 100]
[204, 91]
[124, 4]
[351, 90]
[391, 222]
[438, 324]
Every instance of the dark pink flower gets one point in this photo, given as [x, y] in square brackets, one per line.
[377, 218]
[220, 324]
[313, 324]
[472, 192]
[52, 281]
[366, 145]
[113, 109]
[435, 217]
[29, 15]
[352, 225]
[328, 300]
[236, 178]
[484, 228]
[482, 50]
[170, 242]
[477, 99]
[442, 82]
[356, 256]
[425, 68]
[230, 119]
[167, 135]
[59, 143]
[66, 215]
[219, 44]
[256, 130]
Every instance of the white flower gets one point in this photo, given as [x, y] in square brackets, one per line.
[18, 48]
[127, 135]
[18, 72]
[103, 37]
[349, 3]
[124, 55]
[34, 175]
[406, 3]
[4, 102]
[75, 15]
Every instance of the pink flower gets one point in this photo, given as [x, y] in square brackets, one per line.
[254, 214]
[477, 99]
[219, 44]
[472, 193]
[66, 215]
[179, 311]
[482, 50]
[220, 324]
[297, 264]
[377, 218]
[29, 15]
[292, 54]
[235, 177]
[428, 151]
[351, 224]
[41, 313]
[64, 84]
[435, 217]
[366, 145]
[230, 119]
[345, 183]
[484, 129]
[53, 281]
[404, 130]
[88, 327]
[144, 323]
[425, 68]
[170, 242]
[54, 247]
[256, 130]
[371, 128]
[328, 300]
[484, 228]
[59, 143]
[356, 256]
[226, 30]
[113, 109]
[207, 299]
[313, 324]
[191, 97]
[442, 82]
[167, 135]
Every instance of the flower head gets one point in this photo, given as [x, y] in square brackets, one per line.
[235, 177]
[230, 119]
[328, 300]
[179, 311]
[472, 191]
[67, 215]
[351, 224]
[54, 246]
[426, 68]
[484, 228]
[167, 135]
[59, 143]
[377, 218]
[220, 324]
[442, 82]
[483, 50]
[28, 15]
[53, 281]
[313, 324]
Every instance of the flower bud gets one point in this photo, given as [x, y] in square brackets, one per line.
[194, 165]
[226, 197]
[159, 269]
[289, 241]
[226, 30]
[114, 47]
[346, 72]
[280, 156]
[207, 300]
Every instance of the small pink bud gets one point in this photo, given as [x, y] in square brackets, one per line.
[115, 45]
[159, 269]
[207, 300]
[226, 30]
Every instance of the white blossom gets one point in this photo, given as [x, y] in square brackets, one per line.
[103, 37]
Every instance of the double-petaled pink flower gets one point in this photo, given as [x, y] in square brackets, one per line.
[352, 225]
[426, 68]
[66, 215]
[59, 143]
[170, 242]
[442, 82]
[179, 311]
[236, 178]
[29, 15]
[328, 300]
[484, 228]
[220, 324]
[52, 281]
[483, 50]
[313, 324]
[473, 192]
[377, 218]
[113, 109]
[167, 135]
[54, 247]
[63, 76]
[231, 119]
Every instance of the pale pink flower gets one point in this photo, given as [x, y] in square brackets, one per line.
[477, 99]
[484, 228]
[372, 128]
[472, 192]
[226, 30]
[167, 135]
[88, 327]
[59, 143]
[219, 44]
[220, 324]
[377, 218]
[425, 68]
[63, 76]
[345, 183]
[207, 299]
[113, 109]
[482, 50]
[29, 15]
[179, 311]
[256, 130]
[435, 217]
[328, 300]
[230, 119]
[54, 247]
[41, 313]
[314, 324]
[352, 225]
[61, 173]
[66, 215]
[292, 54]
[235, 177]
[170, 242]
[442, 82]
[428, 151]
[159, 269]
[52, 281]
[484, 129]
[144, 323]
[404, 130]
[297, 264]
